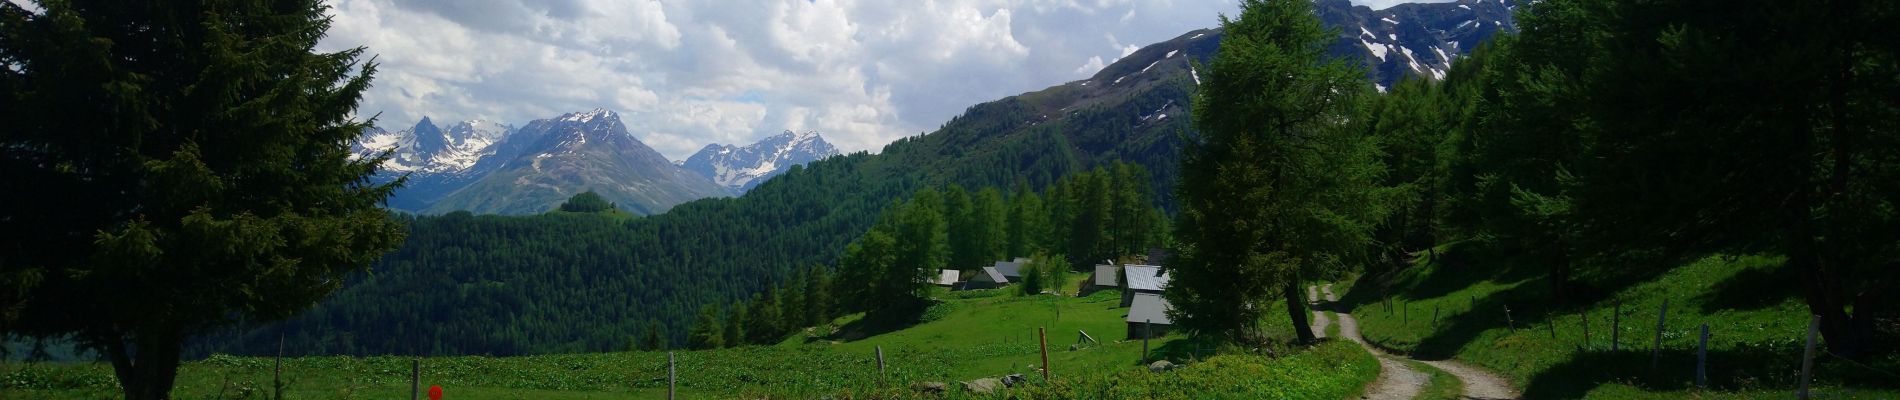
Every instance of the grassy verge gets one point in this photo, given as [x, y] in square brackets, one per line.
[1757, 326]
[1442, 386]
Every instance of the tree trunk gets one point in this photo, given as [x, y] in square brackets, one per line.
[148, 370]
[1296, 308]
[1819, 287]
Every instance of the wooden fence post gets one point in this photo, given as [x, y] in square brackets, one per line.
[1616, 325]
[1655, 350]
[1585, 315]
[1807, 358]
[1702, 359]
[1551, 322]
[1044, 340]
[1434, 316]
[277, 375]
[1507, 319]
[671, 376]
[880, 365]
[415, 379]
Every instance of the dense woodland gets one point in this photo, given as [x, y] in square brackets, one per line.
[1608, 142]
[1101, 214]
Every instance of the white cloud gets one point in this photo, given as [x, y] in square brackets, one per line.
[1089, 68]
[685, 74]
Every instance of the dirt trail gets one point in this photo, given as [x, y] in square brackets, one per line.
[1397, 381]
[1479, 383]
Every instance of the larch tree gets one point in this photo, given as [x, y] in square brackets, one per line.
[1278, 183]
[189, 165]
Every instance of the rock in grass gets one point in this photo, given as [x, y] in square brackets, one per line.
[1160, 366]
[930, 387]
[982, 386]
[1012, 380]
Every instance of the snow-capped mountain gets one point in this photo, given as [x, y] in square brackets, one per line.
[426, 148]
[1414, 39]
[742, 168]
[549, 160]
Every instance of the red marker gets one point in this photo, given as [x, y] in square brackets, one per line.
[435, 392]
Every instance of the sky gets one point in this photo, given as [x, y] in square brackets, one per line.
[684, 74]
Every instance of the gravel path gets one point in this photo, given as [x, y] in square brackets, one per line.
[1396, 381]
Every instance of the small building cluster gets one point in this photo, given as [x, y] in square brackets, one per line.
[1140, 286]
[999, 275]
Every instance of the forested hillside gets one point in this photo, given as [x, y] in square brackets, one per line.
[664, 267]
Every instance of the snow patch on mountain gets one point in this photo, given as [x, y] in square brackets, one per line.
[742, 168]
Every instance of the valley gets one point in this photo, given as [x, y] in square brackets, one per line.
[1482, 199]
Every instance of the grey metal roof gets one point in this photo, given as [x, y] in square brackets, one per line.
[1145, 277]
[995, 275]
[1150, 307]
[1107, 275]
[1013, 269]
[947, 277]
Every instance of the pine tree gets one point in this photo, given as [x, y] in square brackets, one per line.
[818, 296]
[792, 309]
[189, 166]
[763, 319]
[1277, 184]
[655, 339]
[735, 325]
[1027, 223]
[706, 332]
[989, 232]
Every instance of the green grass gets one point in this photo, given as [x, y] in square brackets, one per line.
[1756, 319]
[968, 335]
[1442, 386]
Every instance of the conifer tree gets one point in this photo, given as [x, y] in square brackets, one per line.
[706, 332]
[1277, 183]
[189, 165]
[818, 296]
[734, 334]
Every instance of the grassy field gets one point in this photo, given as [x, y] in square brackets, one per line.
[969, 335]
[1756, 319]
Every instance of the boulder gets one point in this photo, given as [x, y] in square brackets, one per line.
[1160, 366]
[1012, 380]
[982, 386]
[930, 387]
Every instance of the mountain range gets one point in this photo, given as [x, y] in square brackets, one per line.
[487, 167]
[742, 168]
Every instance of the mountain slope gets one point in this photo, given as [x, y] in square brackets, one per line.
[550, 160]
[1413, 39]
[742, 168]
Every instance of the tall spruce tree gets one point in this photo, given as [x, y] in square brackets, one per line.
[1277, 184]
[189, 166]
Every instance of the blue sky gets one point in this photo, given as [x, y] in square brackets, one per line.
[687, 73]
